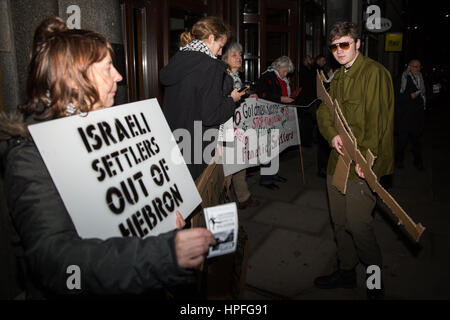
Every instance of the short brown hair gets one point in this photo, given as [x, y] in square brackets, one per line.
[59, 73]
[203, 28]
[341, 29]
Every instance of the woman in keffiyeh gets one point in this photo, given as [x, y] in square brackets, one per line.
[193, 82]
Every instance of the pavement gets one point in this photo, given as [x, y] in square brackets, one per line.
[291, 240]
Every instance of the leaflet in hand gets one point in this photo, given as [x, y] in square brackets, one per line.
[222, 221]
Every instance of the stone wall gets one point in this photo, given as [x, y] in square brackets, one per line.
[9, 83]
[19, 19]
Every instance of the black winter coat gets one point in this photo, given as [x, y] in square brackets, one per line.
[268, 87]
[47, 243]
[193, 84]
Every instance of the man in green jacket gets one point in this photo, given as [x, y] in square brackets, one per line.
[364, 91]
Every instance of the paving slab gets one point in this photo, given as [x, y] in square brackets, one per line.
[287, 262]
[288, 191]
[313, 198]
[249, 212]
[293, 217]
[257, 233]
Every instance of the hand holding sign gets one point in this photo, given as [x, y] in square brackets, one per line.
[180, 223]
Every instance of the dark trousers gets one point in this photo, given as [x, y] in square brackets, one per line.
[323, 151]
[353, 224]
[410, 127]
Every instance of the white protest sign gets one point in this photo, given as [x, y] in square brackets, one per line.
[118, 170]
[262, 129]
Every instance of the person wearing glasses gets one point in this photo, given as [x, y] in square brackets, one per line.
[410, 114]
[364, 91]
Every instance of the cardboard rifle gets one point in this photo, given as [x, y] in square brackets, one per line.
[351, 153]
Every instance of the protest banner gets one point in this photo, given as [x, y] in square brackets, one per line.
[262, 129]
[118, 170]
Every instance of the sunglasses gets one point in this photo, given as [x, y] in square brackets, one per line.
[342, 45]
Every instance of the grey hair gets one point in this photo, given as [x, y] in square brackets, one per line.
[283, 62]
[232, 47]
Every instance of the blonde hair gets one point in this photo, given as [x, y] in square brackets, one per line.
[203, 28]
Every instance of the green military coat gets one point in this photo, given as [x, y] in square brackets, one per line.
[366, 96]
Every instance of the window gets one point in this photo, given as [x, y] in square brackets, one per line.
[268, 32]
[277, 46]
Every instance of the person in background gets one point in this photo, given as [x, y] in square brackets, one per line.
[233, 58]
[321, 65]
[410, 114]
[273, 85]
[193, 83]
[71, 72]
[364, 91]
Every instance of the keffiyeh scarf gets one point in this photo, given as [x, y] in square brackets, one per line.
[417, 80]
[237, 82]
[198, 46]
[70, 108]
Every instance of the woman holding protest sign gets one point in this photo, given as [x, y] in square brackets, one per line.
[71, 72]
[233, 58]
[273, 85]
[193, 82]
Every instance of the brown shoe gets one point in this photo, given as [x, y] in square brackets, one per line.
[250, 202]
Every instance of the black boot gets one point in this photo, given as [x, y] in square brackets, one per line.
[338, 279]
